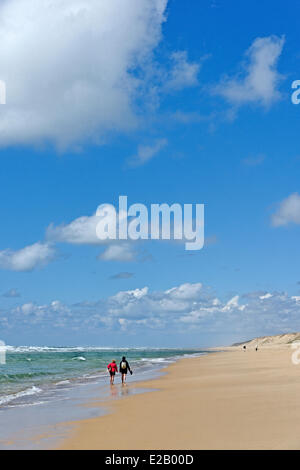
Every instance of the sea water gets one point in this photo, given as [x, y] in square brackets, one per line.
[33, 374]
[41, 387]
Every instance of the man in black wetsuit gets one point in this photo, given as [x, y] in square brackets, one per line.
[124, 368]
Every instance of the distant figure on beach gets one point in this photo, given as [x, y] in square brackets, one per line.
[124, 368]
[244, 348]
[112, 368]
[256, 349]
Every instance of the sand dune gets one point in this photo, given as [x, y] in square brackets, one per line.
[262, 341]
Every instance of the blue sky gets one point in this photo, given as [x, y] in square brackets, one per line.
[163, 102]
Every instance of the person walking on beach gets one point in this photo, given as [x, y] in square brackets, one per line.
[124, 368]
[112, 368]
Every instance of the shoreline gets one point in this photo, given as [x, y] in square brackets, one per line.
[17, 393]
[43, 412]
[224, 400]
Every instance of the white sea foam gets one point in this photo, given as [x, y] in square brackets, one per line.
[158, 360]
[27, 404]
[30, 349]
[24, 393]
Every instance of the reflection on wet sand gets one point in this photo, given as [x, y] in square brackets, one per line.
[125, 390]
[113, 391]
[117, 391]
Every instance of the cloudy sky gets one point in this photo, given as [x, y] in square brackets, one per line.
[164, 102]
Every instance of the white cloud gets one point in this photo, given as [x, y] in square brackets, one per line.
[232, 303]
[265, 296]
[183, 73]
[58, 307]
[27, 258]
[56, 314]
[119, 252]
[259, 82]
[87, 230]
[74, 68]
[81, 231]
[288, 211]
[28, 309]
[185, 291]
[125, 296]
[147, 152]
[141, 309]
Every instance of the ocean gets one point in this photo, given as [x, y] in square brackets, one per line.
[37, 375]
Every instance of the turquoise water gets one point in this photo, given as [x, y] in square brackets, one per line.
[34, 374]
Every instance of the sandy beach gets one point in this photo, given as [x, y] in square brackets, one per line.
[224, 400]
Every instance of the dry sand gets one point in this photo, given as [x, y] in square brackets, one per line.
[229, 400]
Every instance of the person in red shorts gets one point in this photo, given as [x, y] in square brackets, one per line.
[112, 368]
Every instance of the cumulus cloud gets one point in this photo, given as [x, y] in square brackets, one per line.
[147, 152]
[185, 291]
[28, 258]
[118, 252]
[288, 211]
[85, 231]
[233, 303]
[265, 296]
[258, 83]
[123, 297]
[104, 228]
[183, 73]
[30, 308]
[73, 68]
[81, 231]
[179, 309]
[55, 314]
